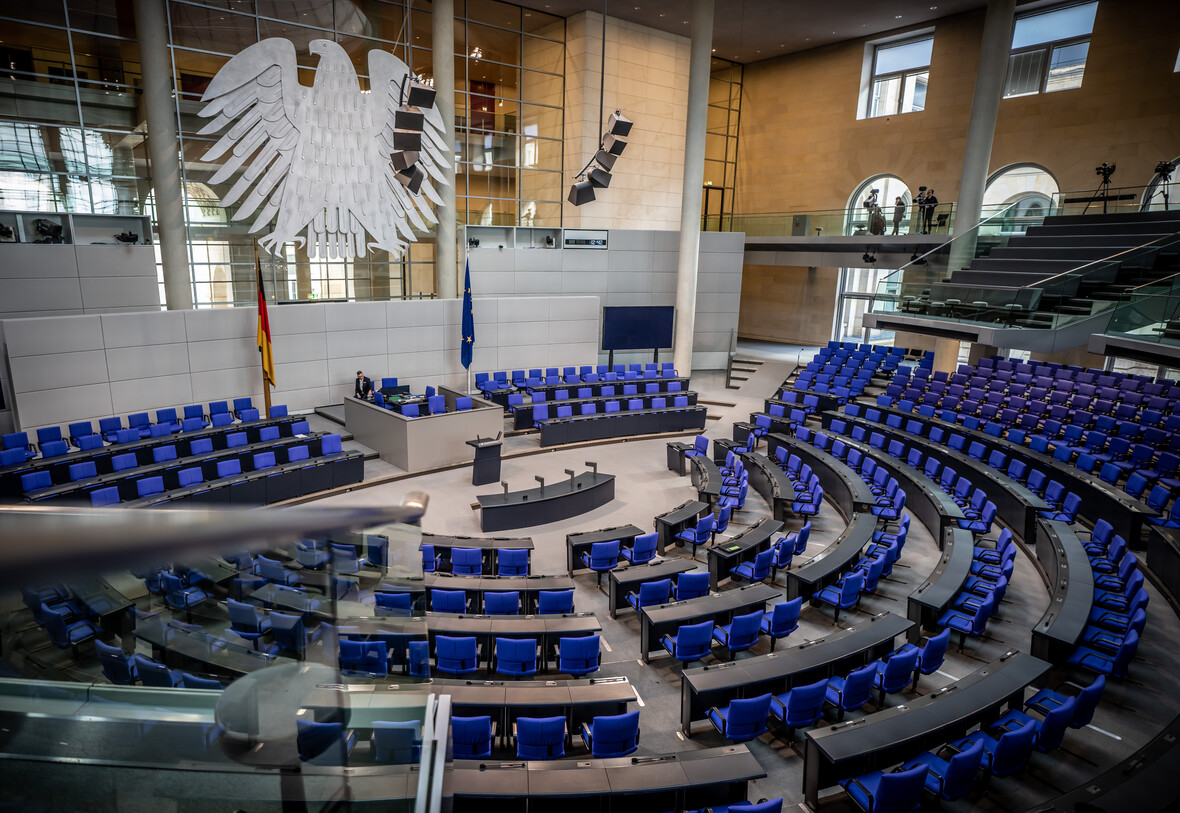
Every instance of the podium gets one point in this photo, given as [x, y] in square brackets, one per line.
[486, 467]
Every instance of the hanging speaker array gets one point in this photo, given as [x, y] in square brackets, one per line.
[408, 121]
[597, 172]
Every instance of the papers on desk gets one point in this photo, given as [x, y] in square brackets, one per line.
[303, 436]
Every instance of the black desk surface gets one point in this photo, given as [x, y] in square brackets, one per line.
[827, 566]
[441, 542]
[654, 621]
[1071, 591]
[771, 482]
[716, 684]
[626, 579]
[705, 478]
[895, 734]
[926, 604]
[669, 523]
[840, 483]
[729, 551]
[578, 543]
[547, 497]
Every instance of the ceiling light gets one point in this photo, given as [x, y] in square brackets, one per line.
[897, 16]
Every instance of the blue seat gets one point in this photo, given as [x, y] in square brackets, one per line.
[191, 681]
[448, 601]
[742, 720]
[555, 602]
[691, 642]
[324, 743]
[895, 672]
[953, 777]
[246, 620]
[578, 656]
[149, 486]
[471, 737]
[418, 659]
[739, 634]
[467, 561]
[700, 447]
[291, 633]
[880, 792]
[612, 736]
[699, 535]
[539, 737]
[651, 593]
[117, 665]
[456, 655]
[782, 620]
[693, 584]
[852, 692]
[930, 656]
[1085, 702]
[800, 706]
[397, 742]
[505, 602]
[843, 595]
[155, 674]
[512, 562]
[392, 604]
[603, 557]
[36, 481]
[364, 658]
[49, 449]
[757, 570]
[429, 559]
[1007, 754]
[179, 596]
[64, 630]
[642, 550]
[345, 558]
[1050, 729]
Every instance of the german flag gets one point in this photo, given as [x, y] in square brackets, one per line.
[264, 346]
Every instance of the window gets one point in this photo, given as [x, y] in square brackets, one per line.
[1049, 50]
[900, 73]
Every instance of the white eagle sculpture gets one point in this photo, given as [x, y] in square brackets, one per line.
[319, 157]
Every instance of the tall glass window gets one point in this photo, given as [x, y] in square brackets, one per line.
[901, 72]
[1049, 50]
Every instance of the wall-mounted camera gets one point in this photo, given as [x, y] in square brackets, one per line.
[473, 242]
[129, 238]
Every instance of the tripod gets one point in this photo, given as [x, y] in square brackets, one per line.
[1163, 183]
[1104, 190]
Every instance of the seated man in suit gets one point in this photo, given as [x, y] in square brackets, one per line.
[364, 385]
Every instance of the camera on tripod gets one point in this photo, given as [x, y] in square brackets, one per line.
[1165, 167]
[1106, 170]
[871, 200]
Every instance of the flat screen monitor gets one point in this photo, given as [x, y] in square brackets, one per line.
[637, 328]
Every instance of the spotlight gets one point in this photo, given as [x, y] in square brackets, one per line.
[581, 192]
[408, 117]
[419, 95]
[605, 160]
[618, 124]
[412, 178]
[599, 178]
[613, 144]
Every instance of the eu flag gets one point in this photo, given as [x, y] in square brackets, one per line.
[468, 318]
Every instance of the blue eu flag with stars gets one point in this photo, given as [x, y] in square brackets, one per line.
[468, 319]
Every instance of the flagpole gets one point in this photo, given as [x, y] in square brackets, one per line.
[467, 258]
[261, 360]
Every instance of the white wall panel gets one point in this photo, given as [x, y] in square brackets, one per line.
[127, 363]
[34, 337]
[30, 373]
[34, 296]
[301, 318]
[142, 330]
[223, 354]
[223, 323]
[152, 392]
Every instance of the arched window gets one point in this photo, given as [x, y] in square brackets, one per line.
[889, 188]
[1029, 186]
[1154, 195]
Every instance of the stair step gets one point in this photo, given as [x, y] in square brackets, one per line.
[748, 361]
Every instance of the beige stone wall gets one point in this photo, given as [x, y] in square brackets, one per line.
[787, 303]
[647, 79]
[802, 147]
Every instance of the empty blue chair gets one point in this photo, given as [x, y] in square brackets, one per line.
[512, 562]
[1007, 754]
[418, 659]
[757, 570]
[1050, 729]
[345, 558]
[64, 630]
[448, 601]
[117, 665]
[149, 486]
[364, 658]
[456, 655]
[395, 604]
[1085, 702]
[953, 777]
[555, 602]
[895, 672]
[36, 481]
[603, 557]
[246, 620]
[578, 656]
[642, 550]
[155, 674]
[191, 681]
[739, 634]
[48, 434]
[700, 447]
[691, 641]
[612, 736]
[782, 620]
[843, 595]
[49, 449]
[324, 743]
[852, 692]
[105, 496]
[930, 656]
[180, 596]
[539, 737]
[881, 792]
[800, 706]
[502, 602]
[397, 742]
[692, 584]
[742, 720]
[79, 430]
[471, 737]
[466, 561]
[650, 594]
[702, 533]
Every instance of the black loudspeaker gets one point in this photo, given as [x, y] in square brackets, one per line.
[618, 124]
[581, 192]
[599, 178]
[404, 160]
[407, 140]
[412, 178]
[613, 144]
[419, 95]
[605, 160]
[408, 118]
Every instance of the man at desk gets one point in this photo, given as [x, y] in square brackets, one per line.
[364, 385]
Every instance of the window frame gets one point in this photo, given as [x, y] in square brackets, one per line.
[1048, 47]
[870, 78]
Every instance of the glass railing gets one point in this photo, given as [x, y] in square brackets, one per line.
[1116, 199]
[1149, 313]
[854, 222]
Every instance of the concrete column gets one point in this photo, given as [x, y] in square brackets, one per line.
[981, 128]
[164, 150]
[946, 355]
[700, 56]
[442, 14]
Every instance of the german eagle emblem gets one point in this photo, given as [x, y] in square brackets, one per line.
[330, 159]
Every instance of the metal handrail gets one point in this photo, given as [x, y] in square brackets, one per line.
[1101, 260]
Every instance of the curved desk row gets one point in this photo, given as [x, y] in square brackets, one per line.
[490, 545]
[524, 415]
[730, 551]
[771, 483]
[715, 685]
[501, 396]
[841, 484]
[706, 478]
[582, 542]
[934, 596]
[1066, 569]
[825, 568]
[896, 734]
[548, 503]
[624, 580]
[477, 586]
[622, 424]
[929, 503]
[1015, 504]
[1100, 500]
[59, 467]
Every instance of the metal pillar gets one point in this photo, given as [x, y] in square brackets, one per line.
[700, 57]
[446, 280]
[164, 150]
